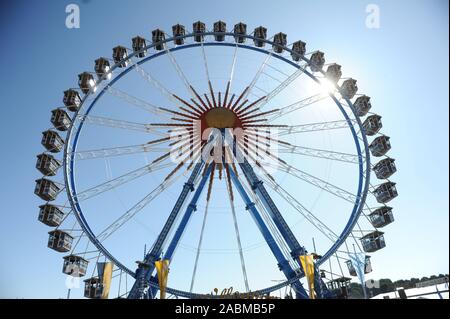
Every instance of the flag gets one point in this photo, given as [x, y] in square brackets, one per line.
[105, 271]
[307, 262]
[162, 269]
[359, 263]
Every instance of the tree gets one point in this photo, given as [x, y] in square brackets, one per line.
[386, 285]
[356, 291]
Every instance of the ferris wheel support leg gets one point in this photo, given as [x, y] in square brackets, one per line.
[192, 207]
[283, 264]
[320, 287]
[295, 247]
[146, 268]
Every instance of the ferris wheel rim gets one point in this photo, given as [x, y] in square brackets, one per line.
[364, 173]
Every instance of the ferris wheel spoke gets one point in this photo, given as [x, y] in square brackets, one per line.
[309, 216]
[297, 106]
[231, 77]
[314, 127]
[202, 231]
[265, 143]
[181, 74]
[129, 214]
[278, 70]
[295, 172]
[272, 78]
[123, 150]
[258, 74]
[155, 83]
[154, 109]
[236, 227]
[283, 85]
[315, 181]
[205, 63]
[121, 180]
[114, 123]
[319, 153]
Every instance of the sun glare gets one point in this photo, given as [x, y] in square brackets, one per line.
[326, 86]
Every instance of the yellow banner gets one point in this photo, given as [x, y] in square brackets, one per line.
[162, 268]
[308, 267]
[106, 279]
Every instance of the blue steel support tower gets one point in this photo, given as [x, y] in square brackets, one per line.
[146, 268]
[283, 264]
[192, 207]
[259, 189]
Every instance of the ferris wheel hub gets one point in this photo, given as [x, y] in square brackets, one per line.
[220, 118]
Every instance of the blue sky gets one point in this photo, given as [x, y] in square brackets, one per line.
[403, 65]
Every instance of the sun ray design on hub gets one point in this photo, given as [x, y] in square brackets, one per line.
[217, 110]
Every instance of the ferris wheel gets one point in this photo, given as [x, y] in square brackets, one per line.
[215, 163]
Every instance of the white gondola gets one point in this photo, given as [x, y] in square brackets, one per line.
[178, 31]
[75, 266]
[139, 45]
[372, 125]
[120, 56]
[86, 82]
[60, 120]
[47, 164]
[60, 241]
[46, 189]
[199, 29]
[385, 168]
[93, 288]
[280, 41]
[380, 146]
[317, 60]
[240, 31]
[220, 27]
[333, 73]
[385, 192]
[381, 217]
[298, 50]
[50, 215]
[362, 105]
[72, 100]
[349, 88]
[102, 67]
[260, 34]
[52, 141]
[373, 241]
[367, 266]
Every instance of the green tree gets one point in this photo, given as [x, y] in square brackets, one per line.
[356, 291]
[386, 285]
